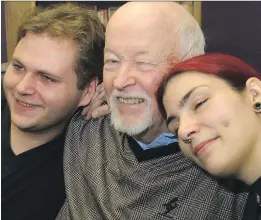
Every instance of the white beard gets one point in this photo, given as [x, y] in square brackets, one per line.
[118, 121]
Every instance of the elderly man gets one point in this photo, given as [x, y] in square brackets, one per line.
[127, 166]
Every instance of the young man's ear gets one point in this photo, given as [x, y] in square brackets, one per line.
[253, 86]
[89, 92]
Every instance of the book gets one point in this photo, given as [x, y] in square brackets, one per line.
[91, 7]
[103, 15]
[111, 10]
[189, 5]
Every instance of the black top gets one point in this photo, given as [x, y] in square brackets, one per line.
[253, 206]
[256, 189]
[144, 155]
[32, 182]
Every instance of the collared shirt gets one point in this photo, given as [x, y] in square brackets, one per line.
[163, 139]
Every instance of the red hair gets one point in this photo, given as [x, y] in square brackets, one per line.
[227, 67]
[231, 69]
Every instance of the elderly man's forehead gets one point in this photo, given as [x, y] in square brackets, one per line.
[144, 7]
[136, 17]
[139, 11]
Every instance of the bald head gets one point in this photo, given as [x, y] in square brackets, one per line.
[169, 20]
[136, 12]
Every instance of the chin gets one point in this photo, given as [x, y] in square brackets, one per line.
[219, 170]
[129, 126]
[25, 125]
[20, 124]
[24, 128]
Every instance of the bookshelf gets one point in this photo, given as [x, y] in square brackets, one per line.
[105, 9]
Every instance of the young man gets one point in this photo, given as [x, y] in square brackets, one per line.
[134, 169]
[54, 70]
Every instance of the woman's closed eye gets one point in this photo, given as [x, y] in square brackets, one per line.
[174, 128]
[199, 104]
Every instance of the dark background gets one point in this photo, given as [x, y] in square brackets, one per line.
[229, 27]
[233, 28]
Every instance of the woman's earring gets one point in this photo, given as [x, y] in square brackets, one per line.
[257, 107]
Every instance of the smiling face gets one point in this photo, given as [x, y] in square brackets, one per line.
[220, 121]
[40, 83]
[135, 61]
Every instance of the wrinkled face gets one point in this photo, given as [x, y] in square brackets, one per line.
[220, 121]
[135, 62]
[40, 83]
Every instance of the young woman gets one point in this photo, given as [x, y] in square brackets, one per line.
[213, 104]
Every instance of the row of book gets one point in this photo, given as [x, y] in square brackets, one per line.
[103, 13]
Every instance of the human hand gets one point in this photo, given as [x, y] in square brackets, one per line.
[98, 106]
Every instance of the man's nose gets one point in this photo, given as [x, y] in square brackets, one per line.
[125, 77]
[27, 85]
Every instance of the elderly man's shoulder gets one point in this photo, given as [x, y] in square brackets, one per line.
[93, 126]
[85, 138]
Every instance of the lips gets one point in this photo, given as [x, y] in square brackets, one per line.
[199, 149]
[26, 104]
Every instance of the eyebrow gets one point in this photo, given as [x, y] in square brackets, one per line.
[143, 52]
[17, 61]
[182, 102]
[185, 98]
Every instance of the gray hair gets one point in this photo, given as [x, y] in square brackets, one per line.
[191, 39]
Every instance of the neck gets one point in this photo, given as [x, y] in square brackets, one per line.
[150, 134]
[251, 167]
[22, 141]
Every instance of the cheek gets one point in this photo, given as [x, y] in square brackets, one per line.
[63, 96]
[155, 81]
[228, 111]
[10, 80]
[186, 150]
[52, 100]
[218, 115]
[108, 83]
[150, 85]
[152, 94]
